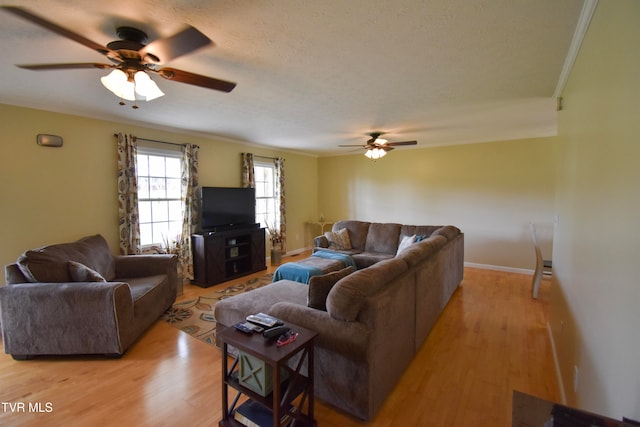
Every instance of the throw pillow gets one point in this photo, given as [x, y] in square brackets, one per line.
[338, 240]
[320, 286]
[406, 242]
[81, 273]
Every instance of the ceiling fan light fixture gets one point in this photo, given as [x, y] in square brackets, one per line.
[375, 153]
[138, 87]
[118, 83]
[145, 87]
[380, 141]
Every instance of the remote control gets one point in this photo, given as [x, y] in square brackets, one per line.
[256, 328]
[242, 327]
[275, 332]
[264, 320]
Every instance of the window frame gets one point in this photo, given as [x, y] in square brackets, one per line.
[271, 200]
[144, 150]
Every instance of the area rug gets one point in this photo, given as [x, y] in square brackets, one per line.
[195, 317]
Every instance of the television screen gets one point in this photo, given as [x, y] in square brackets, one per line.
[225, 206]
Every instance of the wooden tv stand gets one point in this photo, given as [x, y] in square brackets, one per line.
[224, 255]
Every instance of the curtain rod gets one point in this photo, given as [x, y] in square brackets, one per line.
[153, 140]
[265, 157]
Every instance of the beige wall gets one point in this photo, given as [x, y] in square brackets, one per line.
[595, 314]
[491, 191]
[52, 195]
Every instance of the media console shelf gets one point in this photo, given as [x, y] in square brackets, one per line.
[225, 255]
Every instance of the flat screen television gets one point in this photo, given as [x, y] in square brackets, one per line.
[227, 207]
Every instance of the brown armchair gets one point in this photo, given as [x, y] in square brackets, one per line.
[77, 298]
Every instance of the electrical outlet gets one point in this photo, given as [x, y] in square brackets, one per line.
[575, 378]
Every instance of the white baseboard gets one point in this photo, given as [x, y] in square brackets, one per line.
[297, 251]
[563, 395]
[498, 268]
[293, 252]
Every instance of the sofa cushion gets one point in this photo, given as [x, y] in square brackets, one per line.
[320, 286]
[81, 273]
[357, 232]
[383, 238]
[339, 239]
[49, 263]
[367, 259]
[346, 298]
[141, 286]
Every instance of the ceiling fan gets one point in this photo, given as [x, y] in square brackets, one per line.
[132, 59]
[377, 147]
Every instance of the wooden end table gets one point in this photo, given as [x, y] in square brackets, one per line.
[280, 400]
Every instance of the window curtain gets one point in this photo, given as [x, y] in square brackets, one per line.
[248, 176]
[190, 206]
[128, 215]
[279, 162]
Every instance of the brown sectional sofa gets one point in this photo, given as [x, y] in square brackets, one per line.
[77, 298]
[376, 318]
[372, 242]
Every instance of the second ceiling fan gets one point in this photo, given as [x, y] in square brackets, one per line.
[377, 147]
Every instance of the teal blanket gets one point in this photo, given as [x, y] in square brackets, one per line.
[296, 272]
[302, 273]
[346, 259]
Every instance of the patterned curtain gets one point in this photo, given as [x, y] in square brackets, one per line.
[190, 204]
[248, 178]
[128, 216]
[283, 205]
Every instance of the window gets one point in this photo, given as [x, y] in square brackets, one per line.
[159, 191]
[267, 204]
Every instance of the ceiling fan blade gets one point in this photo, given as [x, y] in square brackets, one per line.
[168, 48]
[386, 147]
[391, 144]
[59, 30]
[195, 79]
[45, 67]
[352, 145]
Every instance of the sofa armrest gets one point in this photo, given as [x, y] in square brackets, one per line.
[347, 338]
[65, 318]
[320, 242]
[146, 265]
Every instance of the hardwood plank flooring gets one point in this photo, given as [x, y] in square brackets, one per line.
[490, 340]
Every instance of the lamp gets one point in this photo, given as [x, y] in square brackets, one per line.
[131, 86]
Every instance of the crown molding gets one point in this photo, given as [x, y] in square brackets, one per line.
[584, 20]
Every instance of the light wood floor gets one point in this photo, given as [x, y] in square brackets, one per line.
[490, 340]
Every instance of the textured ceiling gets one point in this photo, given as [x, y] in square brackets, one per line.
[315, 74]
